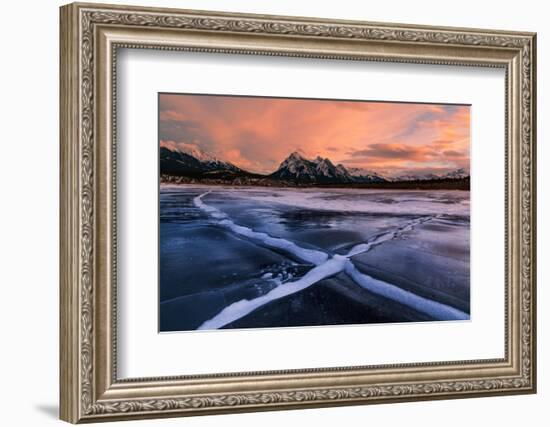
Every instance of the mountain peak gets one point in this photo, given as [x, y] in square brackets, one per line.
[183, 158]
[365, 174]
[296, 155]
[195, 151]
[319, 170]
[458, 173]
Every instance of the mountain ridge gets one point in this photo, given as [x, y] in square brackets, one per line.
[189, 162]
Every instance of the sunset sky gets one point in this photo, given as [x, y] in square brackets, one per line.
[257, 134]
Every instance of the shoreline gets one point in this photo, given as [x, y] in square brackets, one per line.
[298, 188]
[430, 184]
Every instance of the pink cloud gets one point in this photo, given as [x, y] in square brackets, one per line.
[258, 133]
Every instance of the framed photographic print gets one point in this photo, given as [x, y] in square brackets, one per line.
[274, 238]
[264, 212]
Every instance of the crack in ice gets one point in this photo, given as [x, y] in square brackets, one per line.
[308, 255]
[325, 267]
[241, 308]
[435, 309]
[386, 236]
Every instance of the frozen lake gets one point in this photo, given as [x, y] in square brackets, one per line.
[234, 257]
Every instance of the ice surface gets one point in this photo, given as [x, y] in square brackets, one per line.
[389, 251]
[413, 202]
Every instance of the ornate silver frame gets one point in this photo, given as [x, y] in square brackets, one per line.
[90, 36]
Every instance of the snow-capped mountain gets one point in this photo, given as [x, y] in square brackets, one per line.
[298, 169]
[321, 170]
[194, 151]
[365, 175]
[456, 174]
[189, 160]
[425, 177]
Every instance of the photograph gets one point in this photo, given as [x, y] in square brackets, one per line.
[278, 212]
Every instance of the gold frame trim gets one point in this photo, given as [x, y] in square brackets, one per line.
[90, 37]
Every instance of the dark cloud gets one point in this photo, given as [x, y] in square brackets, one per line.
[395, 151]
